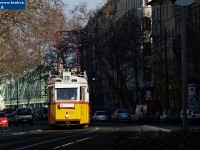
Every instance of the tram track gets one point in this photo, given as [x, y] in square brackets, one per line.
[52, 139]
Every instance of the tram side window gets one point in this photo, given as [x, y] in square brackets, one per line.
[66, 93]
[82, 93]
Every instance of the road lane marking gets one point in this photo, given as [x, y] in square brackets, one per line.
[53, 140]
[149, 127]
[70, 143]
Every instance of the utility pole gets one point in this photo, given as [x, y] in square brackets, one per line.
[166, 71]
[184, 4]
[184, 67]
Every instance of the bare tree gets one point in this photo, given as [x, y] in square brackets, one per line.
[117, 49]
[26, 34]
[66, 42]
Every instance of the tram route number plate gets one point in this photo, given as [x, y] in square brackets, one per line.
[66, 105]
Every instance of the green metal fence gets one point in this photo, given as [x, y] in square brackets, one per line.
[28, 90]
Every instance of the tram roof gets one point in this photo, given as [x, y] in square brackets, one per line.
[67, 78]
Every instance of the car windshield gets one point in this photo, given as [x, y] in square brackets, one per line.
[123, 111]
[24, 112]
[175, 112]
[197, 111]
[101, 113]
[2, 115]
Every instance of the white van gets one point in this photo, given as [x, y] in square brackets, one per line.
[24, 115]
[139, 112]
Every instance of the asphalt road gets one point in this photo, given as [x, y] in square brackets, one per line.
[96, 136]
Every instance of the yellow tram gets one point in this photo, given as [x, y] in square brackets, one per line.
[68, 99]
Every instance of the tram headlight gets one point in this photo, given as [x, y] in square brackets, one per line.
[67, 115]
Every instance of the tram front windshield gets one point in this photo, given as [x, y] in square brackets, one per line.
[66, 93]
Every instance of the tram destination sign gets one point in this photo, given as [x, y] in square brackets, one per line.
[12, 4]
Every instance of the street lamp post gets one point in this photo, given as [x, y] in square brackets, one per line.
[184, 4]
[166, 71]
[184, 67]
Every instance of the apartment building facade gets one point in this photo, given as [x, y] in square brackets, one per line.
[166, 35]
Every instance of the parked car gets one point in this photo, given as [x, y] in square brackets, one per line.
[133, 116]
[149, 111]
[121, 115]
[3, 120]
[138, 116]
[194, 115]
[164, 117]
[11, 118]
[174, 115]
[41, 113]
[101, 116]
[188, 113]
[24, 115]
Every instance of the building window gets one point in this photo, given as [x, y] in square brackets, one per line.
[146, 24]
